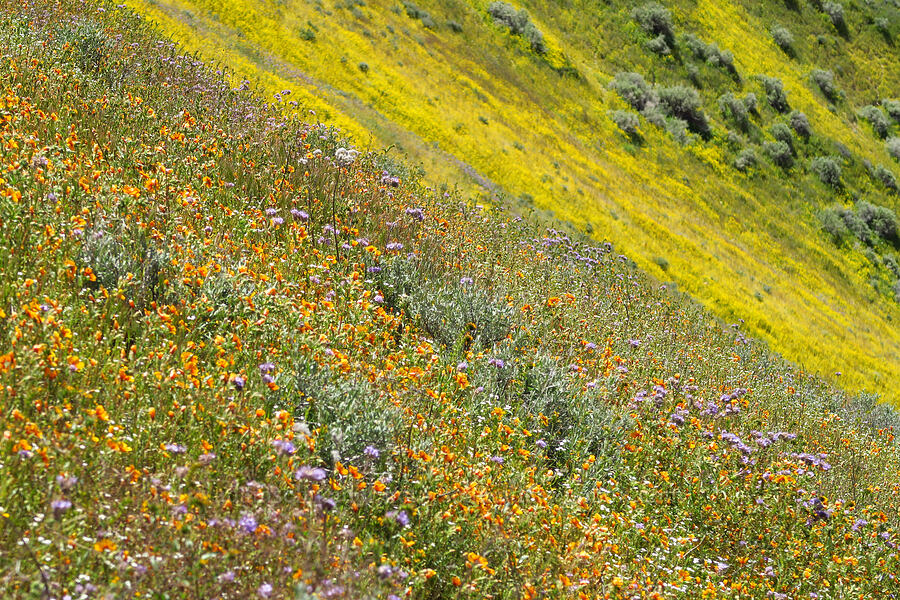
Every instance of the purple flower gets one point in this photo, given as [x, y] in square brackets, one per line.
[497, 459]
[238, 382]
[634, 343]
[399, 516]
[176, 448]
[372, 452]
[397, 246]
[226, 577]
[541, 444]
[859, 523]
[416, 213]
[497, 362]
[60, 506]
[265, 590]
[207, 458]
[461, 367]
[271, 212]
[466, 281]
[300, 215]
[305, 473]
[66, 483]
[284, 446]
[277, 221]
[248, 523]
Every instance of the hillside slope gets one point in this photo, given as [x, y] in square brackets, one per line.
[479, 105]
[241, 359]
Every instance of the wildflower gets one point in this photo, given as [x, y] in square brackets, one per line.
[345, 156]
[395, 246]
[265, 590]
[248, 523]
[207, 458]
[416, 213]
[284, 447]
[325, 504]
[176, 448]
[497, 362]
[399, 516]
[60, 506]
[466, 281]
[461, 367]
[271, 212]
[372, 452]
[541, 444]
[66, 483]
[300, 215]
[305, 473]
[238, 382]
[226, 577]
[497, 459]
[634, 343]
[277, 221]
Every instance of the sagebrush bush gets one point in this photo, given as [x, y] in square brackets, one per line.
[834, 224]
[751, 102]
[519, 23]
[780, 153]
[800, 124]
[655, 20]
[734, 109]
[828, 169]
[684, 103]
[775, 93]
[710, 53]
[892, 145]
[881, 220]
[877, 119]
[783, 39]
[745, 160]
[835, 12]
[782, 133]
[633, 89]
[658, 45]
[892, 108]
[627, 121]
[886, 177]
[825, 81]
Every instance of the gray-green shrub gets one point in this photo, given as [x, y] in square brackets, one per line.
[881, 220]
[775, 93]
[782, 133]
[627, 121]
[745, 160]
[684, 103]
[633, 89]
[655, 20]
[519, 23]
[886, 177]
[825, 81]
[877, 119]
[892, 108]
[780, 153]
[734, 109]
[800, 124]
[828, 169]
[783, 39]
[892, 145]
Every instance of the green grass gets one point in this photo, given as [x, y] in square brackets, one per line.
[479, 109]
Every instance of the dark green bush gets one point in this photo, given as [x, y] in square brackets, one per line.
[678, 129]
[825, 80]
[751, 103]
[684, 103]
[658, 45]
[877, 119]
[633, 89]
[834, 224]
[775, 94]
[835, 12]
[780, 153]
[710, 53]
[800, 124]
[828, 169]
[455, 26]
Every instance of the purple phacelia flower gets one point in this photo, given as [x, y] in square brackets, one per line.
[306, 473]
[248, 523]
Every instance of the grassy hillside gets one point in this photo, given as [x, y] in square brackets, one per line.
[481, 106]
[239, 358]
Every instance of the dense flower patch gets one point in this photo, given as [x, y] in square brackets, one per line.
[240, 358]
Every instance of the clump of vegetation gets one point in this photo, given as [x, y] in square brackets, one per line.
[745, 160]
[881, 220]
[710, 53]
[633, 89]
[782, 133]
[776, 95]
[780, 153]
[828, 169]
[835, 12]
[869, 223]
[735, 109]
[800, 124]
[825, 81]
[627, 121]
[892, 145]
[877, 119]
[886, 177]
[519, 23]
[892, 108]
[656, 21]
[784, 39]
[684, 103]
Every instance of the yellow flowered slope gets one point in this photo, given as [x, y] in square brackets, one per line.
[479, 109]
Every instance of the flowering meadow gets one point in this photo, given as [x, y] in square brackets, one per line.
[240, 358]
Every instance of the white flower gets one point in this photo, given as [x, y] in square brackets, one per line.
[345, 156]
